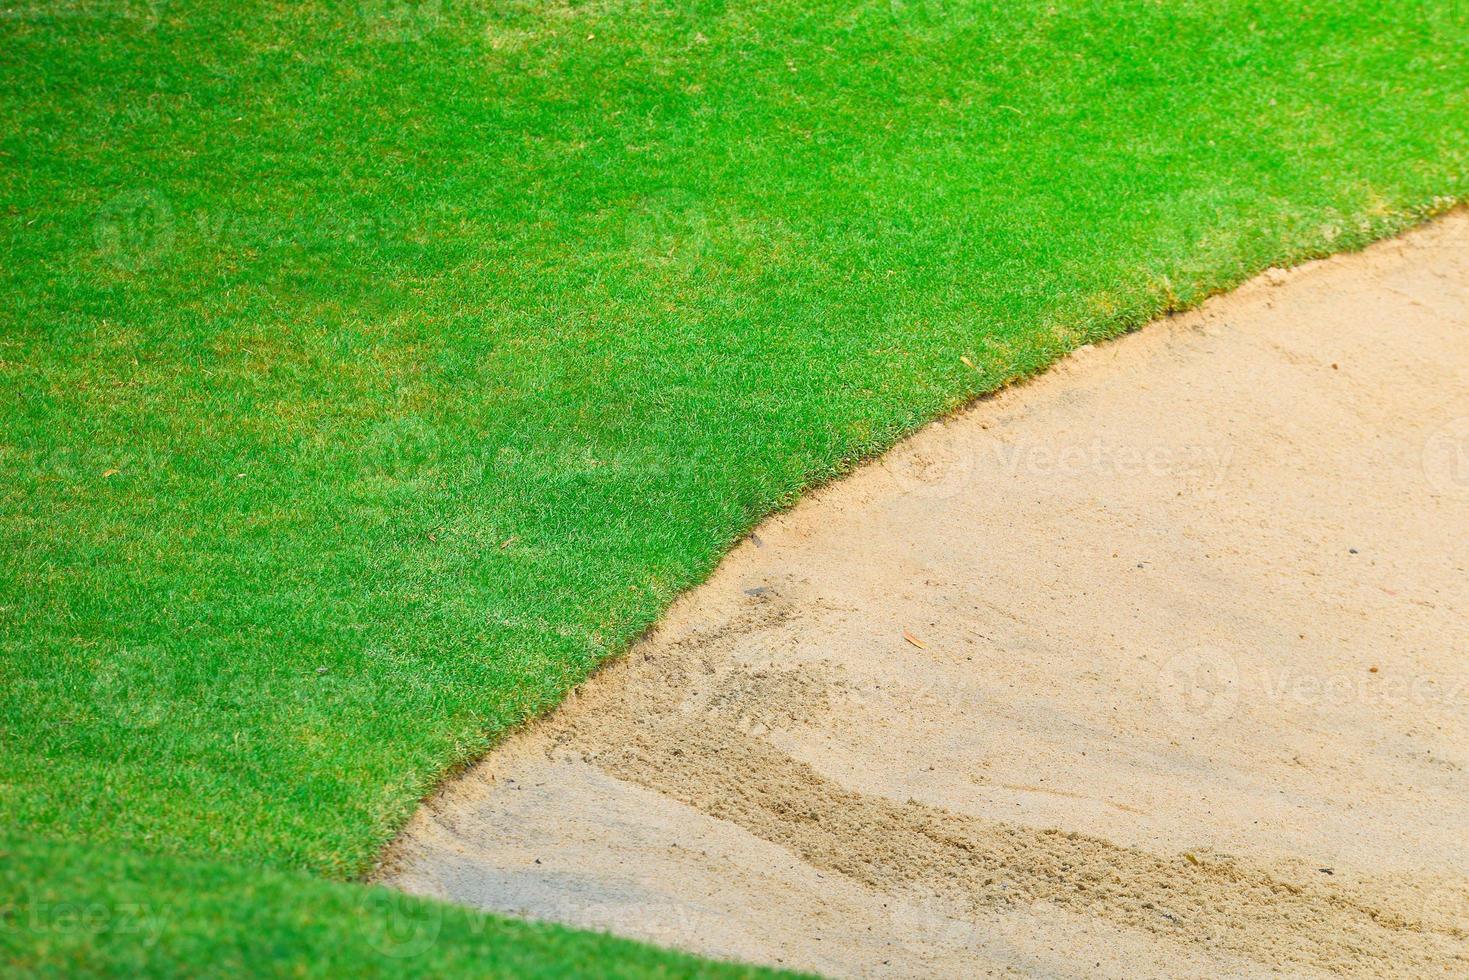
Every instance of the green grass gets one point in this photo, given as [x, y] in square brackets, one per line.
[83, 913]
[369, 373]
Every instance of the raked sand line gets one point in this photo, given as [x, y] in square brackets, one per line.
[1157, 665]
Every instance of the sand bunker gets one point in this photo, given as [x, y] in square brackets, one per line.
[1158, 665]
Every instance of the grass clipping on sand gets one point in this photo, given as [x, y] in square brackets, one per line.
[371, 372]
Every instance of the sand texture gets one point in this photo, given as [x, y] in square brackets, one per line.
[1155, 666]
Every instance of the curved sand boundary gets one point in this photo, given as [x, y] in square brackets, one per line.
[1158, 665]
